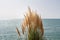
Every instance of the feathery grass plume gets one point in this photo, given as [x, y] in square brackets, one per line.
[34, 24]
[24, 24]
[18, 32]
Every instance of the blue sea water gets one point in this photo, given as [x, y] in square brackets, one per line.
[8, 29]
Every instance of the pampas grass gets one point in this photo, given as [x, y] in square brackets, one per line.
[34, 24]
[18, 32]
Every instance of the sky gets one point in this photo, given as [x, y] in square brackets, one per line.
[15, 9]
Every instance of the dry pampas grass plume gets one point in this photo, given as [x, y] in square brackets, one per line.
[33, 22]
[18, 32]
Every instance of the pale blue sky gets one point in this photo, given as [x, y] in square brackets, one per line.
[12, 9]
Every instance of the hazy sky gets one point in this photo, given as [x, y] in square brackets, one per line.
[11, 9]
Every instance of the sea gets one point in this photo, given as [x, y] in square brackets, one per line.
[8, 29]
